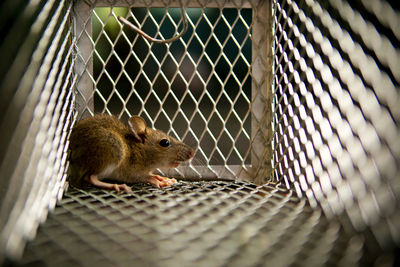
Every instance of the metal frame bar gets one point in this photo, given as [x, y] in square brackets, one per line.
[259, 151]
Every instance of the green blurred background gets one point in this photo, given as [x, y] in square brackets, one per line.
[195, 78]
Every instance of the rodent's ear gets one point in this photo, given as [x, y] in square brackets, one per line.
[138, 128]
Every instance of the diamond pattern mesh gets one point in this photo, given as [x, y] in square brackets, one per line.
[200, 89]
[325, 116]
[181, 84]
[336, 109]
[36, 107]
[198, 223]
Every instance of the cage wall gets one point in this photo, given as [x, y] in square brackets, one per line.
[36, 98]
[208, 88]
[336, 108]
[311, 89]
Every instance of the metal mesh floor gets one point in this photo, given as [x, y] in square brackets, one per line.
[214, 223]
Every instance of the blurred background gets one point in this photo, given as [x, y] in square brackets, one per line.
[333, 116]
[201, 82]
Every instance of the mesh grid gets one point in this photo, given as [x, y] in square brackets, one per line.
[201, 89]
[198, 223]
[331, 102]
[36, 111]
[165, 83]
[336, 109]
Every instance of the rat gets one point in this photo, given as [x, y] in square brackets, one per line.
[102, 147]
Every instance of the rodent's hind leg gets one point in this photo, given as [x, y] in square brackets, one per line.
[160, 181]
[94, 180]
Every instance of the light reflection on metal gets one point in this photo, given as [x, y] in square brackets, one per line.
[341, 108]
[155, 40]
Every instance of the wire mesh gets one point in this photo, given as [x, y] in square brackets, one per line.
[194, 224]
[201, 89]
[336, 109]
[331, 107]
[36, 111]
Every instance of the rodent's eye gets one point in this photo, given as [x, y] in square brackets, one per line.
[164, 143]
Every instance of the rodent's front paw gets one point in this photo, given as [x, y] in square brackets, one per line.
[160, 181]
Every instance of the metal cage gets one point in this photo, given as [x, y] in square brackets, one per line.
[208, 88]
[293, 107]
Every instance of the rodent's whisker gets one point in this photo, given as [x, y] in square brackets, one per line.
[104, 147]
[190, 140]
[198, 161]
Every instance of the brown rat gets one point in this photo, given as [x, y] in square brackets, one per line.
[103, 147]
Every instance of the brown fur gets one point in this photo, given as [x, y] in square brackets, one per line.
[102, 141]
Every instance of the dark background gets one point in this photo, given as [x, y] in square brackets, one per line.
[201, 89]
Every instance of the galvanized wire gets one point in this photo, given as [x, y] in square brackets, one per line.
[155, 40]
[336, 87]
[37, 118]
[201, 89]
[195, 224]
[331, 107]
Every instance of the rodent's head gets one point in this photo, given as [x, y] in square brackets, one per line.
[162, 150]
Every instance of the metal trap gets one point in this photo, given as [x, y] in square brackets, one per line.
[292, 107]
[197, 223]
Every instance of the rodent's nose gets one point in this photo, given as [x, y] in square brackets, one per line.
[191, 154]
